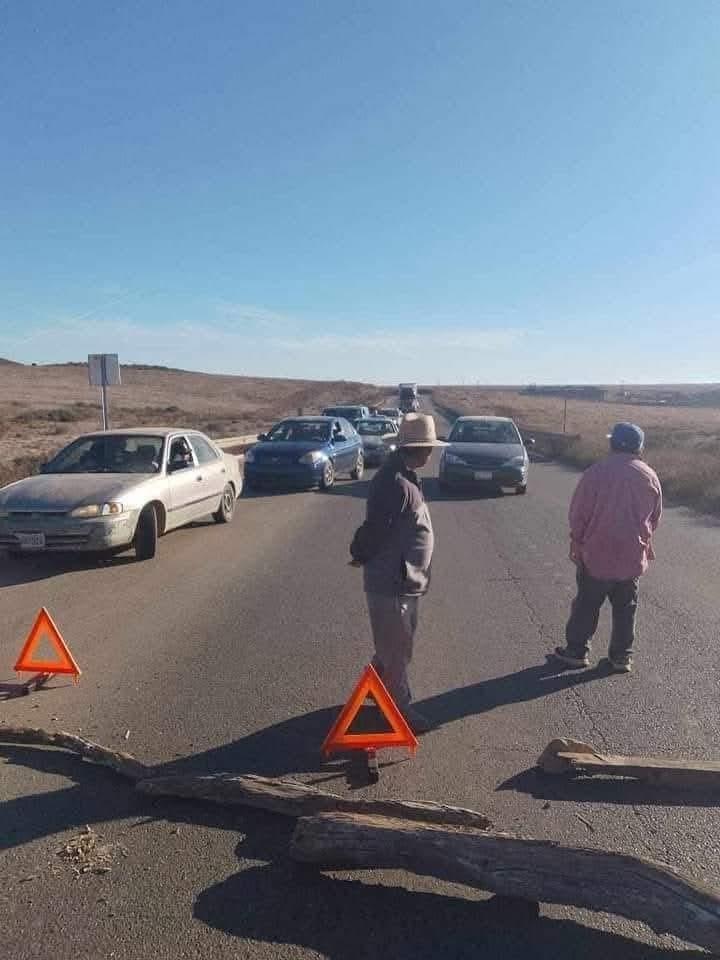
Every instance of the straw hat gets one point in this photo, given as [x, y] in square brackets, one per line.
[417, 430]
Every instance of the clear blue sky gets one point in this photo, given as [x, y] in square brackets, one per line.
[388, 189]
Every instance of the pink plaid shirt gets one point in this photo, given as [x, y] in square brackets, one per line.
[614, 512]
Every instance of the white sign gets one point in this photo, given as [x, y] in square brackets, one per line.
[104, 370]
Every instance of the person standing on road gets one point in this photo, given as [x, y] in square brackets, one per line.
[395, 546]
[614, 513]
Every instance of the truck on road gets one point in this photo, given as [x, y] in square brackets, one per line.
[408, 397]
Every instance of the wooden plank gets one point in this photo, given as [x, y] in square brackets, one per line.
[294, 799]
[572, 756]
[533, 870]
[122, 763]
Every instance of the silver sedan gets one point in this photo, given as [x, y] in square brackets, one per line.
[109, 491]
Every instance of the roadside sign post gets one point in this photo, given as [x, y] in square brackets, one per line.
[104, 372]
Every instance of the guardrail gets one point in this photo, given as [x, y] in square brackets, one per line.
[237, 444]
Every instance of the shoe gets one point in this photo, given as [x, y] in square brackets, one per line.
[561, 654]
[620, 666]
[417, 722]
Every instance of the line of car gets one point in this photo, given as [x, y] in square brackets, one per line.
[109, 491]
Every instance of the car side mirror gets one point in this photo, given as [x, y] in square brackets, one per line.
[43, 468]
[339, 438]
[176, 465]
[262, 436]
[529, 442]
[442, 438]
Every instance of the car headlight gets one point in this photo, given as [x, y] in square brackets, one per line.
[111, 509]
[250, 456]
[518, 461]
[453, 458]
[315, 456]
[391, 447]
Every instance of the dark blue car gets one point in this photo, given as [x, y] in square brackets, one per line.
[305, 452]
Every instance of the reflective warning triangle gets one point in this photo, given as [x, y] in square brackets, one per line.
[45, 629]
[401, 735]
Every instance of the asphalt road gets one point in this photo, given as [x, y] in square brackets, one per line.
[233, 651]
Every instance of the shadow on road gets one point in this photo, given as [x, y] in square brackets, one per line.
[31, 568]
[618, 790]
[279, 903]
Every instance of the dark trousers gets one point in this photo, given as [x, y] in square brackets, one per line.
[585, 613]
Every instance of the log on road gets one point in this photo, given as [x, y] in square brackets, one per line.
[543, 871]
[122, 763]
[574, 756]
[294, 799]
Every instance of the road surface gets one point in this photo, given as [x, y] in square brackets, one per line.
[233, 650]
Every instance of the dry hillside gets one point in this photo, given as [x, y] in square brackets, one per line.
[43, 407]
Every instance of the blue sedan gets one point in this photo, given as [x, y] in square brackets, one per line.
[305, 452]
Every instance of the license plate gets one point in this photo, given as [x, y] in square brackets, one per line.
[31, 541]
[483, 474]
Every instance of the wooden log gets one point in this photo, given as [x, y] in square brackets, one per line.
[572, 756]
[122, 763]
[534, 870]
[293, 799]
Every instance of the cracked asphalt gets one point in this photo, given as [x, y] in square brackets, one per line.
[234, 649]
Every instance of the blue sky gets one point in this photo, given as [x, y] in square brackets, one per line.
[391, 189]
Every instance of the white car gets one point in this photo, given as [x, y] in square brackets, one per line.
[120, 488]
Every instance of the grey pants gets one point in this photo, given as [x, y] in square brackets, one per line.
[393, 621]
[585, 613]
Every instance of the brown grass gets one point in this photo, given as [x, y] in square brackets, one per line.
[683, 444]
[42, 408]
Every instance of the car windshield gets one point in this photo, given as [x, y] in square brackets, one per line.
[375, 428]
[390, 412]
[484, 431]
[307, 431]
[112, 453]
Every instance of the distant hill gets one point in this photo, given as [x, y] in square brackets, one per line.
[9, 363]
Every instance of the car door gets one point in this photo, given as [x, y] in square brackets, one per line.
[187, 484]
[351, 445]
[213, 468]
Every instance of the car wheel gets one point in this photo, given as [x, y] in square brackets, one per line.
[359, 468]
[328, 475]
[521, 489]
[226, 510]
[146, 534]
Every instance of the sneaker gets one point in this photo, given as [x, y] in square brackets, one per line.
[416, 721]
[620, 666]
[564, 656]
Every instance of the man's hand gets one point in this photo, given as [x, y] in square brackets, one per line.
[575, 553]
[354, 563]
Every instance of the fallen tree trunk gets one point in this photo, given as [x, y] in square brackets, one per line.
[122, 763]
[573, 756]
[293, 799]
[535, 870]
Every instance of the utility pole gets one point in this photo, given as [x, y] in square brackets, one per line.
[565, 415]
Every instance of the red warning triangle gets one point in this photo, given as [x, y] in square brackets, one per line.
[45, 629]
[400, 736]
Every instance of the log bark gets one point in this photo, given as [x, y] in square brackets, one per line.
[572, 756]
[122, 763]
[293, 799]
[543, 871]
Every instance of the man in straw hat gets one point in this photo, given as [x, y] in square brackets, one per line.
[614, 512]
[394, 546]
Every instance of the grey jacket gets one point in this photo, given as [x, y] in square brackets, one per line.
[398, 533]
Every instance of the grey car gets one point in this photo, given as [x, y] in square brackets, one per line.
[485, 451]
[377, 435]
[109, 491]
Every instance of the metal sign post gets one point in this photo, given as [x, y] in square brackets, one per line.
[104, 372]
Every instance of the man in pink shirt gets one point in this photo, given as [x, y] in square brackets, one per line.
[614, 512]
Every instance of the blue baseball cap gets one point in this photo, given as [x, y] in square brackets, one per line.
[627, 438]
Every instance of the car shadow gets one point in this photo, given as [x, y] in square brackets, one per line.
[434, 493]
[34, 567]
[277, 901]
[616, 790]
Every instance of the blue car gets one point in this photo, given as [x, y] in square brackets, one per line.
[305, 452]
